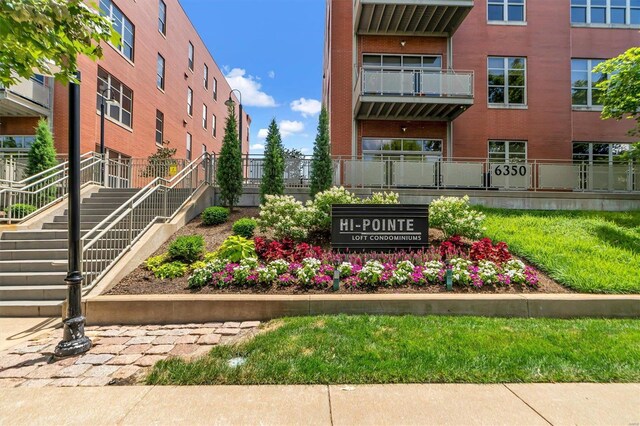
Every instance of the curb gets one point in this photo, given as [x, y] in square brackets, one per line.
[187, 308]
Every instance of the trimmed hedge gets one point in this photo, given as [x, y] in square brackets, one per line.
[244, 227]
[215, 215]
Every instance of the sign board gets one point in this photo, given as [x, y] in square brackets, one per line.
[379, 227]
[173, 169]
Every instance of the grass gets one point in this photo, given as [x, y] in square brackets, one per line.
[410, 349]
[591, 252]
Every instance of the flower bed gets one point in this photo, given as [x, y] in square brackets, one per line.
[282, 264]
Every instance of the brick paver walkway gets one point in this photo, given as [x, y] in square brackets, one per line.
[120, 354]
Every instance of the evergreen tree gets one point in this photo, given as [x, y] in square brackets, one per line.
[42, 155]
[321, 164]
[273, 168]
[229, 168]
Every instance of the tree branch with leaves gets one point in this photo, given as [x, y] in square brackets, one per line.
[46, 37]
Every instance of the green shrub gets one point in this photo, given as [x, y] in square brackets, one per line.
[285, 217]
[215, 215]
[171, 270]
[18, 211]
[155, 262]
[209, 256]
[382, 198]
[236, 248]
[187, 248]
[200, 277]
[244, 227]
[320, 207]
[455, 217]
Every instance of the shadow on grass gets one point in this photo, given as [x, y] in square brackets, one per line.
[614, 237]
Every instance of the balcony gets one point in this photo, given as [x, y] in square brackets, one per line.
[27, 98]
[410, 17]
[417, 95]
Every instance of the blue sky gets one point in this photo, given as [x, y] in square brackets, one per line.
[272, 51]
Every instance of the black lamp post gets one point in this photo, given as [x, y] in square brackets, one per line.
[230, 103]
[74, 341]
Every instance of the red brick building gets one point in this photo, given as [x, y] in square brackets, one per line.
[503, 80]
[166, 83]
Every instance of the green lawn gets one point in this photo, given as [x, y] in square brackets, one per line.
[409, 349]
[591, 252]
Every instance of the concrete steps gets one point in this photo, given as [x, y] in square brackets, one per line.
[33, 263]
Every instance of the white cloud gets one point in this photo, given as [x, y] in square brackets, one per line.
[262, 133]
[288, 128]
[307, 107]
[305, 150]
[250, 88]
[272, 74]
[256, 147]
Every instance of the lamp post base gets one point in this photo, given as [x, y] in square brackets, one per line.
[74, 342]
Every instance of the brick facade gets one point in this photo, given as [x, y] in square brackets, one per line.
[548, 122]
[140, 76]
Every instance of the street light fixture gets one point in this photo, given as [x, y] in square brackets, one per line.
[231, 103]
[74, 342]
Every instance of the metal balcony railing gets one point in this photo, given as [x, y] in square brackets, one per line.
[410, 82]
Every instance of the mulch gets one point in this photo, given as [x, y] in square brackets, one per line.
[141, 281]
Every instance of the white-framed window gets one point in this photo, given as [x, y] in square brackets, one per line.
[507, 81]
[160, 72]
[122, 25]
[191, 55]
[206, 77]
[506, 10]
[205, 115]
[215, 89]
[214, 125]
[615, 12]
[584, 92]
[162, 17]
[122, 110]
[597, 152]
[507, 151]
[189, 141]
[189, 101]
[159, 127]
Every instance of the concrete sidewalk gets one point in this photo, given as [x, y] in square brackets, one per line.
[513, 404]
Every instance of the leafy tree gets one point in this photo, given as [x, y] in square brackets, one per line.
[321, 164]
[621, 93]
[159, 163]
[229, 167]
[45, 35]
[273, 169]
[42, 154]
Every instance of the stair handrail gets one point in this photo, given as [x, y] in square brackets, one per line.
[48, 190]
[21, 184]
[94, 269]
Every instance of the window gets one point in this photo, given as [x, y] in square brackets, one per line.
[590, 152]
[204, 149]
[189, 139]
[507, 151]
[190, 56]
[159, 127]
[160, 72]
[507, 81]
[213, 125]
[407, 149]
[215, 89]
[162, 17]
[122, 110]
[583, 83]
[189, 101]
[204, 116]
[505, 11]
[401, 61]
[617, 12]
[206, 77]
[121, 25]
